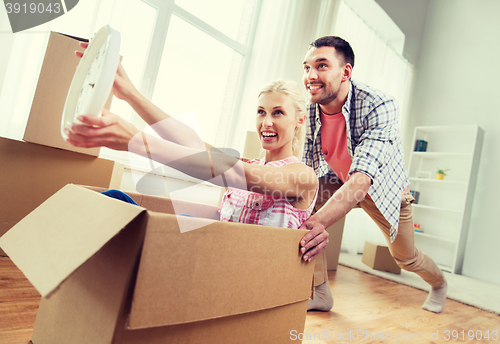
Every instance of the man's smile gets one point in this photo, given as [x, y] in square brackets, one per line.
[314, 87]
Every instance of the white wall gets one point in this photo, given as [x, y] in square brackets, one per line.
[457, 84]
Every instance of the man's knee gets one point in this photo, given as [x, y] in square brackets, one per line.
[407, 264]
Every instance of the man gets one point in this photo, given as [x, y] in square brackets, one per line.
[353, 143]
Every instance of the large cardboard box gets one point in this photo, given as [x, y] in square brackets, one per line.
[113, 272]
[59, 66]
[378, 257]
[31, 173]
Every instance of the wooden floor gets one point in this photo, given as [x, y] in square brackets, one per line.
[370, 309]
[18, 304]
[367, 309]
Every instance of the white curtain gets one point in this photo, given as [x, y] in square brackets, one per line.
[285, 30]
[21, 56]
[377, 64]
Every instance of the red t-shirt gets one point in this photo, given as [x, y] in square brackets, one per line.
[334, 144]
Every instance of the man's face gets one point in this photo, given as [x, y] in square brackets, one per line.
[323, 73]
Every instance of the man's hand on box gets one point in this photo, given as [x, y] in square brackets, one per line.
[315, 241]
[108, 130]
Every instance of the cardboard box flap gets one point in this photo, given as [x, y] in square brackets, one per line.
[61, 234]
[216, 271]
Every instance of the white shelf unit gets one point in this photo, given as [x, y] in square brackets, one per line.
[444, 206]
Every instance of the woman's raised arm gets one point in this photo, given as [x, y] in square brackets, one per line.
[291, 181]
[163, 124]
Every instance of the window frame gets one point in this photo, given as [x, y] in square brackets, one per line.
[164, 11]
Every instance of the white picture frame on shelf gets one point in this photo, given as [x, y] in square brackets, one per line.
[423, 175]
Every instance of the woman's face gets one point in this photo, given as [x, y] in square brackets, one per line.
[276, 122]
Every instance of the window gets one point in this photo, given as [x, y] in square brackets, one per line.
[196, 72]
[198, 59]
[184, 55]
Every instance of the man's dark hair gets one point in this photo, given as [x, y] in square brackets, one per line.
[342, 47]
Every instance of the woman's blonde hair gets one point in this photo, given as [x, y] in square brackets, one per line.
[292, 90]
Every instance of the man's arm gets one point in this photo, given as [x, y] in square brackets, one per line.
[346, 198]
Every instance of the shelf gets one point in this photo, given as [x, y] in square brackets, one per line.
[425, 235]
[458, 149]
[435, 208]
[456, 129]
[432, 181]
[437, 155]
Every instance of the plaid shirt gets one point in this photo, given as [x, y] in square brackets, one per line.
[374, 144]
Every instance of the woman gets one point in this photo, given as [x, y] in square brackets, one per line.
[277, 190]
